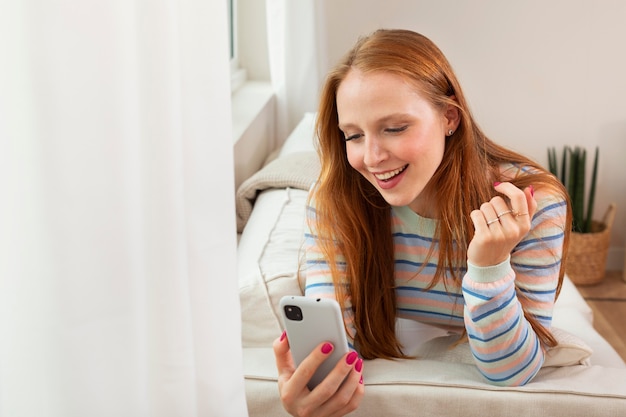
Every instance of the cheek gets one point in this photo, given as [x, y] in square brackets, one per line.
[355, 157]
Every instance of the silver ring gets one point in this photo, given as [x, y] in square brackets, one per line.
[492, 221]
[504, 212]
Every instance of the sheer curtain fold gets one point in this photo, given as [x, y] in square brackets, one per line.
[118, 291]
[293, 60]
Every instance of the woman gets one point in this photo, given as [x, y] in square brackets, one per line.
[417, 214]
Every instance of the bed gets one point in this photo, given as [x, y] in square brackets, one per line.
[583, 376]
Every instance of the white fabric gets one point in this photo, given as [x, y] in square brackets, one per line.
[292, 47]
[117, 222]
[441, 389]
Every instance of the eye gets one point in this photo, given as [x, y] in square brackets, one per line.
[396, 129]
[353, 137]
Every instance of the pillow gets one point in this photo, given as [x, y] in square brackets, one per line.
[570, 350]
[268, 261]
[302, 138]
[298, 170]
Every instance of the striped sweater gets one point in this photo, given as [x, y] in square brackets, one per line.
[488, 303]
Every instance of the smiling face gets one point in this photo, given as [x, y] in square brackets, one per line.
[394, 137]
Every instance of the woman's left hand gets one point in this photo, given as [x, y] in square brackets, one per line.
[499, 226]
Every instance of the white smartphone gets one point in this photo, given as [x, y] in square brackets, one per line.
[309, 322]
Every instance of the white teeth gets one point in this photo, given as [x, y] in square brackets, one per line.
[388, 175]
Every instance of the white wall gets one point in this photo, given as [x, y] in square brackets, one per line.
[537, 73]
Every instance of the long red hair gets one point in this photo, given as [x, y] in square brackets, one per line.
[354, 220]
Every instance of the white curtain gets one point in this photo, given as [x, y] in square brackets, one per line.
[293, 59]
[118, 292]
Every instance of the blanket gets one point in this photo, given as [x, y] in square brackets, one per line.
[296, 170]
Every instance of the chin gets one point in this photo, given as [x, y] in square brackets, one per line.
[397, 201]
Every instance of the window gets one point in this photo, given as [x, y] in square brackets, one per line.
[237, 74]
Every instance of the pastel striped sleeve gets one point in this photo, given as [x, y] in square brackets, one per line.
[318, 278]
[506, 349]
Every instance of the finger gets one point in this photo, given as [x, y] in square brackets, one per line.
[529, 192]
[517, 197]
[282, 354]
[503, 211]
[294, 392]
[335, 378]
[491, 218]
[353, 389]
[345, 386]
[309, 365]
[480, 224]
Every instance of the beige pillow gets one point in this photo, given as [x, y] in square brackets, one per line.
[268, 262]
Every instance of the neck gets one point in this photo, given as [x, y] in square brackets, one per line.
[425, 205]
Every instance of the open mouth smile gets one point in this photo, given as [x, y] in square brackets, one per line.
[386, 176]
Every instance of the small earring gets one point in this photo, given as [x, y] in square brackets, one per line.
[450, 132]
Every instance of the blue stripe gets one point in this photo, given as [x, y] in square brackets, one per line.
[492, 311]
[489, 339]
[320, 284]
[475, 294]
[537, 267]
[412, 236]
[523, 368]
[418, 264]
[425, 291]
[545, 292]
[429, 313]
[540, 240]
[508, 355]
[550, 207]
[322, 262]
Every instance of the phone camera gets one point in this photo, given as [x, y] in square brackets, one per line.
[293, 313]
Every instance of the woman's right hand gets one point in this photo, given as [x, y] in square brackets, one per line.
[332, 397]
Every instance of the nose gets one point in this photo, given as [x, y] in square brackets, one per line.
[374, 152]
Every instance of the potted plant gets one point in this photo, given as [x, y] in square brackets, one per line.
[589, 240]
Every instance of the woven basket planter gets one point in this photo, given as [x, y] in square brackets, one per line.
[586, 260]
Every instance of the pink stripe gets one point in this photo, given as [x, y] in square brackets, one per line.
[442, 305]
[508, 366]
[497, 321]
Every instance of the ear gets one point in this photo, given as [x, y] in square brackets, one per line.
[452, 116]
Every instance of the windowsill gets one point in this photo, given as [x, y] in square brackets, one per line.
[238, 78]
[247, 103]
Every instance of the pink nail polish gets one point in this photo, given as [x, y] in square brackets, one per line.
[532, 190]
[351, 357]
[359, 365]
[361, 380]
[326, 348]
[495, 184]
[282, 336]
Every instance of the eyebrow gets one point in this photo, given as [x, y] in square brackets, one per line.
[382, 120]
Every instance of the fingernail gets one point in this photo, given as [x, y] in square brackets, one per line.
[361, 380]
[326, 348]
[351, 357]
[359, 365]
[495, 184]
[282, 336]
[532, 190]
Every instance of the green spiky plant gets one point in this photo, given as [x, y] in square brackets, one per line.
[572, 175]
